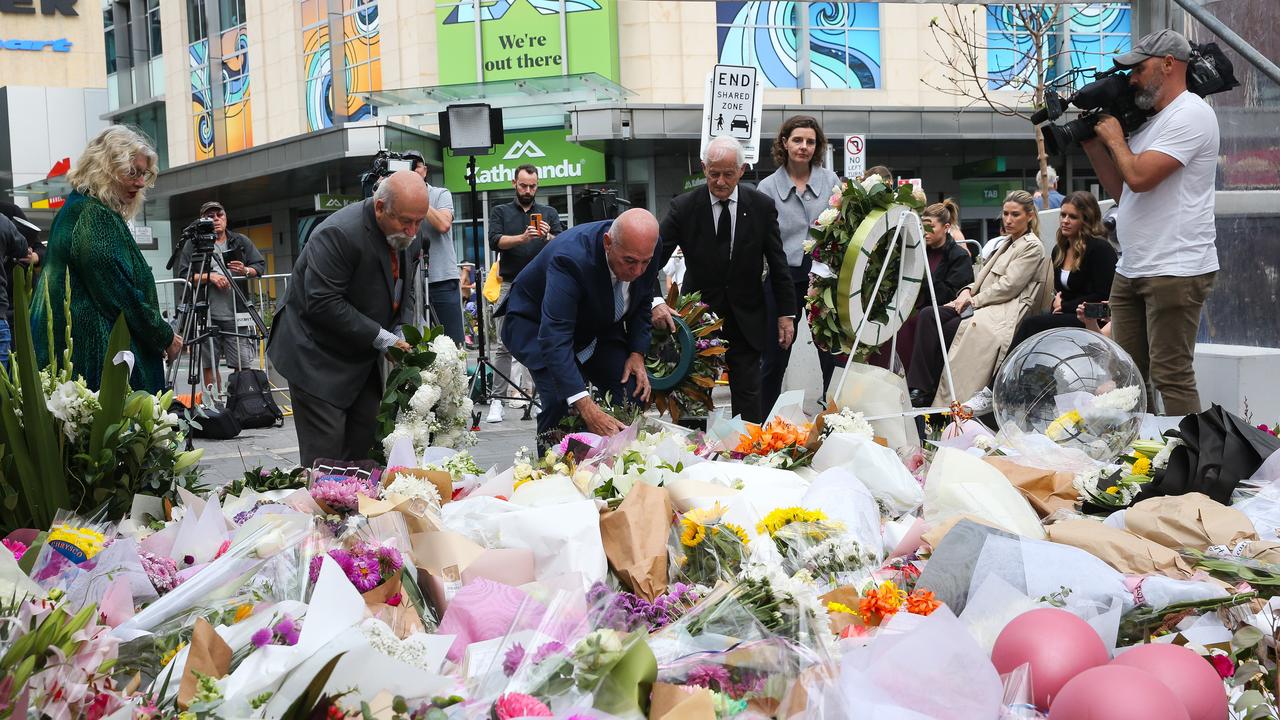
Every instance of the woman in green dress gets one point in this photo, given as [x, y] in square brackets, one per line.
[92, 251]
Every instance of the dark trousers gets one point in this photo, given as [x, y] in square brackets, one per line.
[603, 370]
[828, 362]
[744, 371]
[925, 372]
[446, 301]
[773, 359]
[1036, 324]
[328, 431]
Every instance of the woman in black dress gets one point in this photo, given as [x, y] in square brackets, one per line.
[1083, 265]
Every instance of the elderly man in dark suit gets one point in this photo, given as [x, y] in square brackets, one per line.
[580, 310]
[729, 234]
[349, 292]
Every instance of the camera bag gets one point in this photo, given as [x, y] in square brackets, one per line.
[249, 400]
[213, 424]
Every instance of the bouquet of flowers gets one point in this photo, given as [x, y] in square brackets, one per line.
[707, 548]
[778, 443]
[692, 395]
[652, 457]
[341, 493]
[832, 560]
[426, 399]
[782, 605]
[626, 611]
[879, 603]
[1115, 486]
[846, 421]
[367, 565]
[794, 529]
[834, 253]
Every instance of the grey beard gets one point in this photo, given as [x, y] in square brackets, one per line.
[399, 241]
[1145, 97]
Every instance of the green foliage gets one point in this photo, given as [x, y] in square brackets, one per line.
[404, 381]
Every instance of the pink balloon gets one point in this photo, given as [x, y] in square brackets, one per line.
[1116, 692]
[1057, 644]
[1191, 678]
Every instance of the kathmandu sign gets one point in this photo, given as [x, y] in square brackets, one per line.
[559, 163]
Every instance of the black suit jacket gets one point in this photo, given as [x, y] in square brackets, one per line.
[1091, 283]
[563, 300]
[735, 292]
[340, 295]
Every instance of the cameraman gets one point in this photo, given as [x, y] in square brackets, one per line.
[436, 234]
[243, 261]
[1164, 179]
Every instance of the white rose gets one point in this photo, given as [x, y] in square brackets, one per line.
[826, 217]
[871, 181]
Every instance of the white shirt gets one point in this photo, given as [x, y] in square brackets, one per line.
[733, 219]
[1169, 230]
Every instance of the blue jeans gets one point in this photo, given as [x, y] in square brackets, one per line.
[6, 342]
[446, 301]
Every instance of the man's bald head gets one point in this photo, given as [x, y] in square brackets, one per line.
[630, 242]
[400, 204]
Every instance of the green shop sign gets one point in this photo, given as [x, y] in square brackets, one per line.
[986, 193]
[522, 39]
[559, 162]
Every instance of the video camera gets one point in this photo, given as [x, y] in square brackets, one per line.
[200, 234]
[385, 163]
[604, 204]
[1209, 71]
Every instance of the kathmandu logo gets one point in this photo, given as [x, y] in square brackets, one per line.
[523, 148]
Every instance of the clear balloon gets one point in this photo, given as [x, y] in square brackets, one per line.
[1075, 386]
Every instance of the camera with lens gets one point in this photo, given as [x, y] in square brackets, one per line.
[591, 205]
[201, 235]
[1209, 71]
[385, 163]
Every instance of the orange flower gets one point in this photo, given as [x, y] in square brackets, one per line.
[922, 602]
[777, 434]
[882, 602]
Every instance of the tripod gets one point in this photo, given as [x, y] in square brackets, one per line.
[481, 385]
[194, 326]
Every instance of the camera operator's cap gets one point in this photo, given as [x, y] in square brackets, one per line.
[1157, 45]
[211, 205]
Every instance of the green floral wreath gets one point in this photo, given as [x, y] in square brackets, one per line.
[683, 366]
[849, 244]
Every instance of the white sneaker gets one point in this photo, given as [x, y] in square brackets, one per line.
[516, 404]
[980, 403]
[495, 412]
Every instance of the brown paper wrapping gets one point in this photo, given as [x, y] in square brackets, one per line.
[635, 539]
[1046, 490]
[441, 479]
[680, 702]
[848, 597]
[1192, 520]
[814, 440]
[402, 618]
[208, 654]
[1120, 549]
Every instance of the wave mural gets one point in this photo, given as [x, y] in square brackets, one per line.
[361, 52]
[201, 99]
[843, 42]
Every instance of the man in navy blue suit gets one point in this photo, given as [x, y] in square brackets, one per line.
[580, 311]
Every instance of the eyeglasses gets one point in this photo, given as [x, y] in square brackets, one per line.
[133, 173]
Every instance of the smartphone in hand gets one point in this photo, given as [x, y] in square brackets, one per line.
[1097, 311]
[967, 312]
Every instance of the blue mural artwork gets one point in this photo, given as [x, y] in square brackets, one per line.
[465, 13]
[842, 43]
[1086, 37]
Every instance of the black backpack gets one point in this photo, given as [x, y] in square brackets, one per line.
[249, 400]
[213, 424]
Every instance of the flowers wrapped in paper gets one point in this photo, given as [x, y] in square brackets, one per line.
[960, 484]
[705, 548]
[877, 467]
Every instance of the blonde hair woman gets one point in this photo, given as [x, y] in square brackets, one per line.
[90, 246]
[979, 324]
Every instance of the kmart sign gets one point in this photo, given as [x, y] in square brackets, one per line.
[559, 163]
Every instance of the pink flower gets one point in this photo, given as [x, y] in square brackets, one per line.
[1223, 665]
[395, 600]
[1266, 429]
[712, 677]
[518, 705]
[18, 549]
[262, 638]
[365, 573]
[512, 660]
[835, 200]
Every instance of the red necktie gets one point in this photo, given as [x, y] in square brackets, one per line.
[395, 277]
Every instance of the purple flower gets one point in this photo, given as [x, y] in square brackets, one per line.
[262, 638]
[512, 660]
[390, 560]
[314, 571]
[548, 650]
[365, 573]
[161, 571]
[712, 677]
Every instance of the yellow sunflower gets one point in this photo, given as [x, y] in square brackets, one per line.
[692, 533]
[1142, 465]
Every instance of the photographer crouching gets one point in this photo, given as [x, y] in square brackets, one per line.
[243, 260]
[1163, 176]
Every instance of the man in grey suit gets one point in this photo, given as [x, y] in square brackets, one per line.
[349, 292]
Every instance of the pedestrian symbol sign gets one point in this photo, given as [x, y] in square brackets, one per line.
[734, 99]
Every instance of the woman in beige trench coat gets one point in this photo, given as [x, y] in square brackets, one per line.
[1013, 283]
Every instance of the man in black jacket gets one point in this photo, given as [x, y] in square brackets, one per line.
[13, 249]
[34, 254]
[729, 235]
[243, 260]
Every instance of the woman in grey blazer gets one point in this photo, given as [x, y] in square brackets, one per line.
[800, 188]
